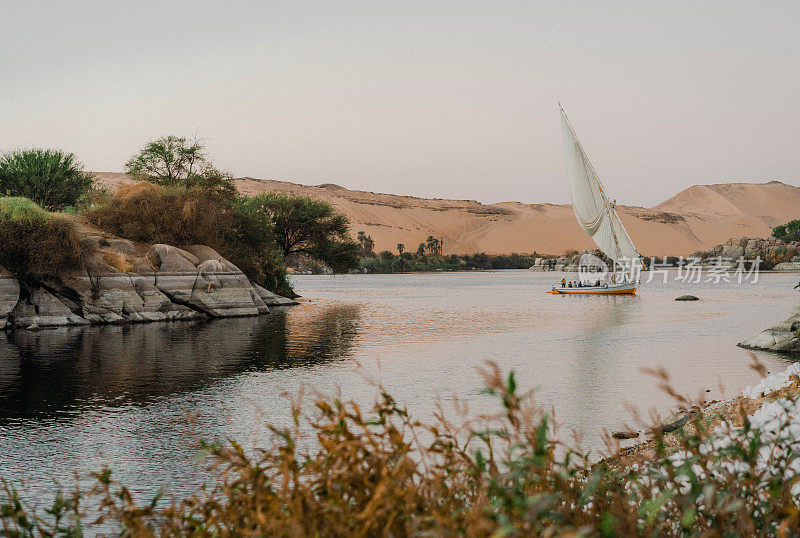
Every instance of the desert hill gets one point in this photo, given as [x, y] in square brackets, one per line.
[696, 218]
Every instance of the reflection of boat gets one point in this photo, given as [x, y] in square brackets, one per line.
[598, 217]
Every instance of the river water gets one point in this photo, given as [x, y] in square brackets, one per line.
[74, 400]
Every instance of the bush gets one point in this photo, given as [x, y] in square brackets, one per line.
[35, 243]
[172, 215]
[51, 178]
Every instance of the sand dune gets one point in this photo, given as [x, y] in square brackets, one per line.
[697, 218]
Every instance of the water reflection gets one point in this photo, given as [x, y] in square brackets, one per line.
[66, 370]
[597, 365]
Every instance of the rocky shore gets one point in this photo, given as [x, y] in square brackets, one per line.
[124, 282]
[783, 337]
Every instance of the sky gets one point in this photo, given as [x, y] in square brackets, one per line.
[432, 99]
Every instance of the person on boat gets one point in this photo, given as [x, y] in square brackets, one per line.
[597, 284]
[580, 284]
[569, 285]
[563, 282]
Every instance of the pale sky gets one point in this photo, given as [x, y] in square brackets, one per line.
[434, 99]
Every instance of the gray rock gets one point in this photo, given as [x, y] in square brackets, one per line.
[687, 298]
[221, 291]
[9, 295]
[44, 309]
[213, 286]
[625, 435]
[787, 266]
[169, 283]
[171, 259]
[783, 337]
[272, 299]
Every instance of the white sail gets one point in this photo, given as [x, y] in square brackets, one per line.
[596, 215]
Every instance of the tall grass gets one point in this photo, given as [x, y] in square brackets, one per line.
[35, 243]
[380, 472]
[51, 178]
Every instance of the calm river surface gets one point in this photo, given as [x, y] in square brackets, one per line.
[77, 399]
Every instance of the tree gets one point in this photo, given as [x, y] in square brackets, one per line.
[367, 244]
[434, 246]
[788, 232]
[51, 178]
[176, 161]
[421, 249]
[302, 225]
[400, 248]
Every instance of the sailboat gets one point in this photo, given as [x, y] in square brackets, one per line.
[598, 217]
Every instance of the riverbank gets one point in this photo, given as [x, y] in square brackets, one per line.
[121, 281]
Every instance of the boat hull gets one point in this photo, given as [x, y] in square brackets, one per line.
[611, 289]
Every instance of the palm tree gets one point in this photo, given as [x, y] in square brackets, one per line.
[433, 246]
[400, 247]
[421, 249]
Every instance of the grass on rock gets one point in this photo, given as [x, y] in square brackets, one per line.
[35, 243]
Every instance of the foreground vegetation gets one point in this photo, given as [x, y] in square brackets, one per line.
[383, 473]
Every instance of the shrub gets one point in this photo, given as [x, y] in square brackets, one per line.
[51, 178]
[172, 215]
[35, 243]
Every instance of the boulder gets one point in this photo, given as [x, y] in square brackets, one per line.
[222, 291]
[687, 298]
[783, 337]
[625, 435]
[169, 259]
[41, 308]
[205, 281]
[272, 299]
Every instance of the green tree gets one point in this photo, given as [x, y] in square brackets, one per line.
[367, 244]
[421, 249]
[434, 246]
[303, 225]
[400, 248]
[177, 161]
[788, 232]
[51, 178]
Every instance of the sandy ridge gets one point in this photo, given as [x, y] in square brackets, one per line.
[696, 218]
